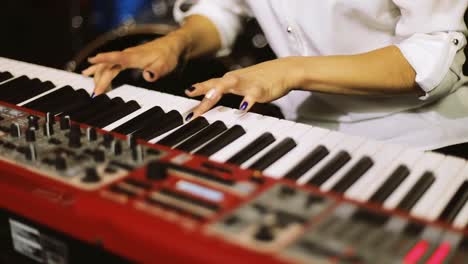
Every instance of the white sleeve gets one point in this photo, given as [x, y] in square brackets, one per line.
[225, 14]
[431, 37]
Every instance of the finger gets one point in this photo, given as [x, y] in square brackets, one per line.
[211, 98]
[105, 80]
[90, 70]
[247, 103]
[155, 70]
[114, 57]
[227, 83]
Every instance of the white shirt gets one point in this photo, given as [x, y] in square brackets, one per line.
[429, 33]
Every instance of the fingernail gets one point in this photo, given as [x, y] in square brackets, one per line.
[244, 106]
[93, 95]
[150, 74]
[189, 116]
[191, 89]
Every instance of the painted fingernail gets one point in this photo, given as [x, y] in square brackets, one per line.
[189, 116]
[244, 106]
[93, 95]
[191, 89]
[150, 74]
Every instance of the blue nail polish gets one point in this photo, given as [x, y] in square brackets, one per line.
[191, 89]
[93, 95]
[189, 116]
[244, 106]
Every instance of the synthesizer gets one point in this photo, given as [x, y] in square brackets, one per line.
[121, 178]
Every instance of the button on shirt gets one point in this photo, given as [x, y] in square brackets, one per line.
[429, 33]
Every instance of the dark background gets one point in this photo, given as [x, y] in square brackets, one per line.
[41, 31]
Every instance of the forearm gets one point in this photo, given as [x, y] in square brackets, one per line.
[198, 36]
[382, 71]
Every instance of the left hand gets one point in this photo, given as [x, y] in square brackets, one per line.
[261, 83]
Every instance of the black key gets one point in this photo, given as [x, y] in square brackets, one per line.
[455, 204]
[335, 164]
[117, 113]
[309, 161]
[39, 89]
[113, 106]
[140, 121]
[52, 97]
[8, 88]
[203, 136]
[417, 191]
[168, 122]
[5, 76]
[184, 132]
[222, 141]
[390, 185]
[98, 110]
[253, 148]
[26, 87]
[353, 174]
[98, 104]
[79, 100]
[274, 154]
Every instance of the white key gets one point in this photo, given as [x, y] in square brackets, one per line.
[368, 148]
[254, 125]
[363, 188]
[461, 219]
[306, 143]
[282, 131]
[349, 144]
[428, 162]
[444, 175]
[407, 158]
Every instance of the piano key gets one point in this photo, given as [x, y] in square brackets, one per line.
[310, 160]
[98, 104]
[25, 87]
[202, 137]
[110, 117]
[253, 148]
[456, 203]
[168, 122]
[307, 143]
[425, 162]
[5, 76]
[348, 144]
[361, 167]
[280, 131]
[38, 89]
[79, 99]
[428, 206]
[254, 124]
[114, 105]
[415, 193]
[53, 97]
[222, 141]
[184, 132]
[363, 188]
[392, 182]
[8, 88]
[151, 115]
[274, 154]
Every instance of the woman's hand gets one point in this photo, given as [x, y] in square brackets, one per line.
[156, 58]
[260, 83]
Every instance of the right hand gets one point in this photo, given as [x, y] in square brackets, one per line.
[156, 58]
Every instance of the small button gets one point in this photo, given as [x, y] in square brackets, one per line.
[455, 42]
[289, 29]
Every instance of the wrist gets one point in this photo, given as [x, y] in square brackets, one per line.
[183, 41]
[296, 76]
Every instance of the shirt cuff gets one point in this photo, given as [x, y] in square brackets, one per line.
[433, 57]
[226, 18]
